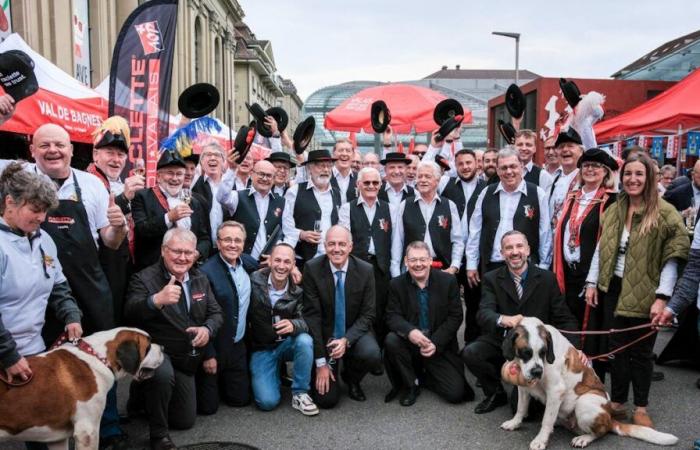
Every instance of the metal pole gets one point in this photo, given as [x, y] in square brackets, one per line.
[517, 55]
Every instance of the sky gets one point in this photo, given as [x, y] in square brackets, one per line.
[318, 43]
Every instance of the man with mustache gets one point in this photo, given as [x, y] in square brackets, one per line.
[569, 149]
[394, 189]
[526, 144]
[213, 164]
[489, 165]
[283, 164]
[311, 207]
[163, 207]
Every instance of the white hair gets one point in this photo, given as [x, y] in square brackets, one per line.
[179, 233]
[432, 165]
[507, 152]
[366, 170]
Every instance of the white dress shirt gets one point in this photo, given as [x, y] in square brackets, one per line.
[343, 184]
[185, 223]
[344, 273]
[561, 188]
[427, 209]
[508, 202]
[325, 202]
[216, 214]
[546, 179]
[395, 197]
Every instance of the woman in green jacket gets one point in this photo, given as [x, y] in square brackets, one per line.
[635, 269]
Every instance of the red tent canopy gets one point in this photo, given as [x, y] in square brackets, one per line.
[677, 106]
[411, 107]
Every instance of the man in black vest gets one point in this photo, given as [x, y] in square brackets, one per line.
[283, 164]
[489, 166]
[344, 180]
[257, 208]
[524, 207]
[369, 220]
[526, 143]
[394, 189]
[311, 208]
[430, 218]
[463, 190]
[207, 185]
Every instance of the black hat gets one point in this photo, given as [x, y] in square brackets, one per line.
[280, 116]
[17, 74]
[515, 101]
[198, 100]
[259, 116]
[282, 157]
[303, 134]
[447, 127]
[571, 92]
[244, 140]
[570, 135]
[110, 139]
[395, 157]
[507, 131]
[598, 155]
[318, 155]
[192, 157]
[380, 116]
[170, 158]
[442, 162]
[447, 109]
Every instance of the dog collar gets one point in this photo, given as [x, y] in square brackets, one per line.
[82, 345]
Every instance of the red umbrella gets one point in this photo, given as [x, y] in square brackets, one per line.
[411, 108]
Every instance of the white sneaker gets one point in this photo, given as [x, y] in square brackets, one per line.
[303, 403]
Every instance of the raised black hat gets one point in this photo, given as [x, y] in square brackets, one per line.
[570, 135]
[198, 100]
[318, 155]
[515, 101]
[380, 116]
[571, 92]
[442, 162]
[259, 116]
[244, 140]
[282, 157]
[303, 134]
[447, 127]
[447, 109]
[507, 131]
[280, 116]
[17, 74]
[598, 155]
[170, 158]
[395, 157]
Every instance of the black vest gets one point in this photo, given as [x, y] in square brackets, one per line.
[379, 231]
[454, 191]
[439, 227]
[533, 176]
[306, 212]
[247, 214]
[525, 220]
[382, 195]
[351, 193]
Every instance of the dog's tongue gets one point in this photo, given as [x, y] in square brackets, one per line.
[513, 369]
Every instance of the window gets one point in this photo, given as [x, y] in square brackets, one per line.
[198, 56]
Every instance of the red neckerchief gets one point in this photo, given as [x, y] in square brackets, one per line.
[575, 221]
[161, 198]
[93, 169]
[82, 345]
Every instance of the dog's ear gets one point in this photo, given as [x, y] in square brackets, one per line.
[507, 346]
[128, 356]
[550, 347]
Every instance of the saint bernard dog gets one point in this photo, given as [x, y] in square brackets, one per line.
[68, 390]
[543, 364]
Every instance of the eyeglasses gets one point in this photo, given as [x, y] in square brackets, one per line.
[264, 176]
[228, 240]
[591, 165]
[180, 252]
[371, 183]
[423, 260]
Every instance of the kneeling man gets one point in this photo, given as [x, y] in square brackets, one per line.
[423, 315]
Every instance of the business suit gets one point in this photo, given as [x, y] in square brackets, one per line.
[443, 372]
[231, 381]
[681, 194]
[541, 298]
[363, 353]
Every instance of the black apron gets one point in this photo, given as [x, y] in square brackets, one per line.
[69, 227]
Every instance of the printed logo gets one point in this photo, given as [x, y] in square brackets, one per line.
[198, 296]
[149, 33]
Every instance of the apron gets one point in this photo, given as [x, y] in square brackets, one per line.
[69, 227]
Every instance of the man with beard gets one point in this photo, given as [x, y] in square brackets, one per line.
[526, 144]
[369, 220]
[463, 190]
[510, 293]
[489, 166]
[283, 164]
[394, 189]
[569, 148]
[431, 218]
[213, 164]
[311, 208]
[411, 169]
[344, 179]
[257, 208]
[162, 207]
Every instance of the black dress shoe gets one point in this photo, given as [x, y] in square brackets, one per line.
[409, 398]
[355, 392]
[164, 443]
[393, 393]
[657, 376]
[491, 402]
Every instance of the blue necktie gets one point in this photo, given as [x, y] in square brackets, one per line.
[423, 321]
[339, 328]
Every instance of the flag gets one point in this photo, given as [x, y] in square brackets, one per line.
[617, 149]
[643, 141]
[399, 148]
[630, 142]
[353, 140]
[672, 147]
[657, 146]
[693, 143]
[140, 76]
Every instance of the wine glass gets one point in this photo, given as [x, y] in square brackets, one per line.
[275, 320]
[186, 196]
[317, 226]
[139, 167]
[331, 347]
[193, 351]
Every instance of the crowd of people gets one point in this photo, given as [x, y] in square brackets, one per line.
[340, 263]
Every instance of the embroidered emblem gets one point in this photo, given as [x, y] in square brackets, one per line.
[384, 225]
[529, 211]
[198, 296]
[49, 262]
[277, 212]
[443, 222]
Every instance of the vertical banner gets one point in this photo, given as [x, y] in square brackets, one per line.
[139, 83]
[81, 42]
[643, 141]
[617, 149]
[657, 147]
[693, 143]
[672, 147]
[631, 142]
[5, 19]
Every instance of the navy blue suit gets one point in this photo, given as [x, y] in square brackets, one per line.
[681, 195]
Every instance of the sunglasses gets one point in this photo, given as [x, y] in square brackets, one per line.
[371, 183]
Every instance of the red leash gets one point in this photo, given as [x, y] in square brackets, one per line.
[614, 331]
[82, 345]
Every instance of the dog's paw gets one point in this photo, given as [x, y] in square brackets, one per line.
[512, 424]
[582, 441]
[538, 444]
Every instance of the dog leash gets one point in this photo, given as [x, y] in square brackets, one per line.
[614, 331]
[10, 381]
[82, 345]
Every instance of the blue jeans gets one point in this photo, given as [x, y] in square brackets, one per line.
[265, 373]
[109, 424]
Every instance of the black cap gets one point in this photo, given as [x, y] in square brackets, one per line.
[571, 92]
[507, 131]
[170, 158]
[447, 109]
[243, 142]
[395, 157]
[198, 100]
[380, 116]
[570, 135]
[282, 157]
[17, 74]
[598, 155]
[515, 101]
[317, 156]
[303, 134]
[280, 116]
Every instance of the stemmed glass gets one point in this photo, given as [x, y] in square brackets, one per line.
[275, 320]
[193, 350]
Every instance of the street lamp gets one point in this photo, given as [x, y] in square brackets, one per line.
[515, 36]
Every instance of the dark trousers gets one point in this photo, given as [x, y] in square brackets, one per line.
[484, 359]
[359, 359]
[381, 283]
[169, 398]
[472, 298]
[231, 382]
[404, 364]
[634, 364]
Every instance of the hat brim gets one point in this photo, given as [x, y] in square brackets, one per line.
[599, 156]
[259, 116]
[331, 159]
[288, 161]
[244, 141]
[198, 100]
[507, 130]
[515, 101]
[303, 134]
[447, 109]
[280, 116]
[446, 128]
[571, 92]
[386, 161]
[570, 135]
[112, 140]
[380, 116]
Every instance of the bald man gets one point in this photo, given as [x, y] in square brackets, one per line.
[371, 160]
[258, 208]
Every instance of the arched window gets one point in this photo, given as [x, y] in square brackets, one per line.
[198, 55]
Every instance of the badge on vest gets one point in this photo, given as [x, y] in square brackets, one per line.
[384, 225]
[277, 212]
[198, 296]
[61, 220]
[529, 211]
[443, 222]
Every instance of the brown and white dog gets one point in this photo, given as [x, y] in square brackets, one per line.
[68, 391]
[550, 370]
